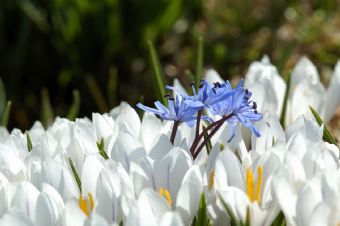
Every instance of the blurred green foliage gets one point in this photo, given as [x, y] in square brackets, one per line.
[100, 47]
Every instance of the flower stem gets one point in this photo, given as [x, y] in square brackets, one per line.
[198, 120]
[214, 126]
[212, 133]
[205, 131]
[174, 131]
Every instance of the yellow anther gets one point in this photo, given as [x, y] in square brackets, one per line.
[254, 195]
[83, 204]
[166, 194]
[211, 179]
[250, 184]
[259, 184]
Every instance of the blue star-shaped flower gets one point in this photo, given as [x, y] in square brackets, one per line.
[180, 110]
[239, 108]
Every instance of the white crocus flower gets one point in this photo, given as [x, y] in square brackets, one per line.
[188, 196]
[49, 207]
[246, 188]
[11, 166]
[61, 178]
[267, 86]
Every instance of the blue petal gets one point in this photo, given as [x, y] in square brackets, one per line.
[148, 109]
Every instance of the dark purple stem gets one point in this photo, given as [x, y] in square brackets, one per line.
[199, 137]
[174, 131]
[198, 121]
[212, 133]
[215, 125]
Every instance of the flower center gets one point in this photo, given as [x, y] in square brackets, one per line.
[86, 204]
[211, 179]
[166, 194]
[254, 193]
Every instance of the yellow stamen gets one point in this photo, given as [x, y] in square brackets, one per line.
[254, 195]
[83, 204]
[250, 184]
[211, 179]
[259, 184]
[166, 194]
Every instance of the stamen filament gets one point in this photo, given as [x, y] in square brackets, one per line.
[83, 204]
[166, 194]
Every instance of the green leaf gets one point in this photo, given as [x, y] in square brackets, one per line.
[190, 76]
[158, 75]
[205, 135]
[100, 145]
[5, 116]
[194, 221]
[202, 219]
[74, 109]
[285, 101]
[233, 220]
[112, 87]
[279, 220]
[29, 142]
[96, 93]
[248, 217]
[199, 62]
[47, 114]
[75, 174]
[326, 134]
[2, 98]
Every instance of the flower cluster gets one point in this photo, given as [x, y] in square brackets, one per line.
[117, 169]
[220, 100]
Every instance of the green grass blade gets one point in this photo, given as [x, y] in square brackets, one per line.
[75, 174]
[100, 145]
[233, 220]
[202, 219]
[47, 114]
[248, 217]
[279, 220]
[189, 75]
[75, 106]
[29, 142]
[285, 101]
[2, 98]
[96, 93]
[112, 87]
[5, 117]
[199, 62]
[327, 136]
[158, 75]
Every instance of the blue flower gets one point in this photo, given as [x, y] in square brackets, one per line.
[206, 94]
[237, 107]
[180, 110]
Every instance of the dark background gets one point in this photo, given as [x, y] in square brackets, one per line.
[100, 47]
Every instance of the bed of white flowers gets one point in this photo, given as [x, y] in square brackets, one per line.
[218, 156]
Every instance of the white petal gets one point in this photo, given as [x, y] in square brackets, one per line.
[73, 215]
[171, 170]
[60, 178]
[49, 207]
[14, 218]
[103, 125]
[150, 128]
[25, 199]
[10, 165]
[125, 113]
[91, 170]
[332, 97]
[188, 197]
[171, 219]
[95, 220]
[212, 76]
